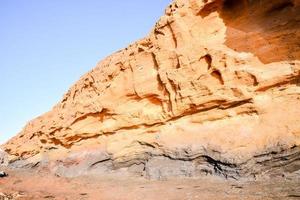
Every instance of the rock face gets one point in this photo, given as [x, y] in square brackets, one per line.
[213, 89]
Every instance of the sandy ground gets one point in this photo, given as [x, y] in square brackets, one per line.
[41, 185]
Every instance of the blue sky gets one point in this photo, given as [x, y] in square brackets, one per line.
[46, 45]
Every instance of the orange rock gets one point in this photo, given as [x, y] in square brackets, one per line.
[215, 81]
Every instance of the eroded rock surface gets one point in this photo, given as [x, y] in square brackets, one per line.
[3, 158]
[213, 89]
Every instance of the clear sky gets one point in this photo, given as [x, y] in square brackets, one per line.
[46, 45]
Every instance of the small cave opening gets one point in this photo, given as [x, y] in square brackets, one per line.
[230, 4]
[234, 5]
[217, 74]
[233, 8]
[208, 60]
[281, 6]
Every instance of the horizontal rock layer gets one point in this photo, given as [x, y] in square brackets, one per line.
[214, 88]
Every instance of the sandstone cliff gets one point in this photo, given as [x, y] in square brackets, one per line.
[213, 89]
